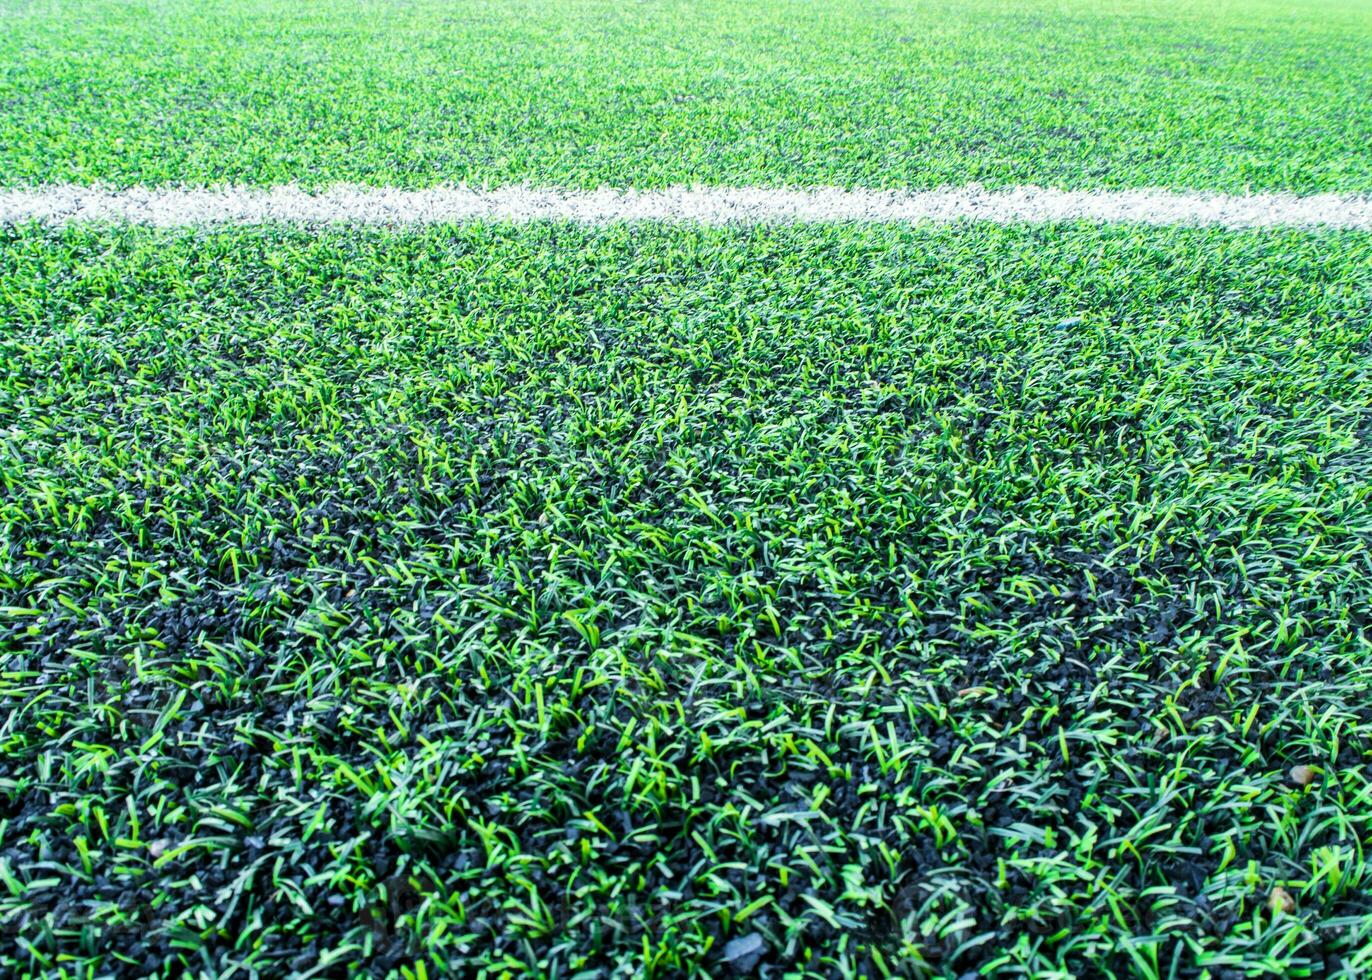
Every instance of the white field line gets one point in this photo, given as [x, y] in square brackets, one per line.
[351, 204]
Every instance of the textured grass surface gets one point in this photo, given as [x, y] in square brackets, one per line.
[1067, 93]
[548, 599]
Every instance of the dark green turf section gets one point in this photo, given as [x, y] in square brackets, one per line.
[929, 599]
[1068, 93]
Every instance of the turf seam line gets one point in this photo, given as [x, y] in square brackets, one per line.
[65, 204]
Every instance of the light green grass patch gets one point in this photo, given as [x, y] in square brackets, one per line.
[1078, 94]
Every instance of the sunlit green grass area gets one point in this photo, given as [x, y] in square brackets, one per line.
[1224, 96]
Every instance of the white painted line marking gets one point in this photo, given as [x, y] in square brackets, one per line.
[352, 204]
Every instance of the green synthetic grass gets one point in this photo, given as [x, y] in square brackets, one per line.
[1069, 93]
[551, 599]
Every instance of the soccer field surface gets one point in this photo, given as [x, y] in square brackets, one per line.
[544, 593]
[1228, 96]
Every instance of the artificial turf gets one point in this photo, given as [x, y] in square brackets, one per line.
[551, 599]
[1222, 96]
